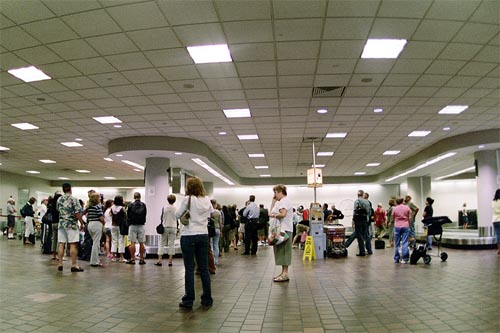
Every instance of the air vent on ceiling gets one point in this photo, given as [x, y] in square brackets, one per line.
[328, 91]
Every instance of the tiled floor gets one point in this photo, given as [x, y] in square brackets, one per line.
[357, 294]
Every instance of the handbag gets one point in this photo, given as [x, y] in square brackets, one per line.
[160, 229]
[276, 235]
[211, 228]
[48, 218]
[186, 216]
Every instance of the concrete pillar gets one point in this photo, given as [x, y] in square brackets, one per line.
[419, 188]
[156, 190]
[487, 183]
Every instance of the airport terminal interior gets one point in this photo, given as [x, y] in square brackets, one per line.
[394, 97]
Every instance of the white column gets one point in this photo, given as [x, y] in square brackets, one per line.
[487, 183]
[419, 188]
[156, 190]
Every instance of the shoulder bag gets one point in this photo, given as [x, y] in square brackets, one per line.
[186, 216]
[160, 229]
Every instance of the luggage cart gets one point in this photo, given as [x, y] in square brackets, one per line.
[335, 241]
[433, 227]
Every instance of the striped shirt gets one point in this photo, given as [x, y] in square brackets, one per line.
[94, 213]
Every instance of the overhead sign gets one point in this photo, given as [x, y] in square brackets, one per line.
[314, 177]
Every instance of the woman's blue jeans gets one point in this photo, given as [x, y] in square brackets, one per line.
[214, 243]
[196, 247]
[401, 238]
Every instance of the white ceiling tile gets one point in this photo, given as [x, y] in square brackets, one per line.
[129, 61]
[258, 82]
[331, 80]
[200, 34]
[217, 70]
[49, 86]
[109, 79]
[409, 8]
[143, 75]
[257, 68]
[359, 91]
[462, 81]
[342, 49]
[422, 50]
[355, 101]
[107, 102]
[180, 72]
[360, 79]
[432, 80]
[476, 68]
[297, 50]
[228, 95]
[197, 96]
[248, 31]
[294, 67]
[123, 91]
[352, 8]
[445, 67]
[263, 103]
[294, 93]
[23, 89]
[487, 82]
[487, 12]
[374, 66]
[449, 92]
[488, 54]
[169, 57]
[16, 38]
[223, 84]
[93, 93]
[433, 30]
[298, 29]
[325, 101]
[198, 106]
[65, 96]
[10, 61]
[153, 39]
[452, 10]
[408, 66]
[458, 51]
[112, 44]
[48, 31]
[296, 81]
[38, 55]
[166, 99]
[188, 12]
[476, 33]
[25, 11]
[243, 10]
[261, 93]
[477, 93]
[136, 100]
[61, 7]
[92, 23]
[81, 82]
[73, 49]
[335, 66]
[5, 22]
[92, 65]
[252, 52]
[188, 85]
[391, 91]
[393, 28]
[298, 9]
[347, 28]
[132, 17]
[400, 79]
[154, 88]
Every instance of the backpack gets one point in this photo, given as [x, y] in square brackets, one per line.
[360, 209]
[137, 212]
[24, 210]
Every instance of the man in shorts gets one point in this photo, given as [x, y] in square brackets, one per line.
[69, 232]
[136, 217]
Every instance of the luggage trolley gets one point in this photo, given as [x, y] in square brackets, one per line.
[335, 241]
[434, 228]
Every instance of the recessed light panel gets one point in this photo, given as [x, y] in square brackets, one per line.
[82, 171]
[336, 135]
[261, 167]
[317, 166]
[237, 113]
[71, 144]
[378, 110]
[137, 165]
[322, 111]
[32, 171]
[29, 74]
[25, 126]
[255, 155]
[265, 176]
[107, 120]
[248, 137]
[372, 164]
[4, 148]
[222, 133]
[63, 178]
[178, 153]
[78, 139]
[453, 109]
[109, 178]
[325, 153]
[117, 126]
[210, 53]
[419, 133]
[446, 128]
[360, 173]
[47, 161]
[391, 152]
[383, 48]
[108, 159]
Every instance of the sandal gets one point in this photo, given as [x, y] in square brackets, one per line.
[282, 278]
[131, 262]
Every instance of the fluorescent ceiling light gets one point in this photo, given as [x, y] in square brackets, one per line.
[71, 144]
[325, 153]
[267, 175]
[63, 178]
[372, 164]
[480, 146]
[453, 109]
[78, 139]
[25, 126]
[472, 168]
[255, 155]
[47, 161]
[383, 48]
[419, 133]
[29, 74]
[137, 170]
[446, 128]
[336, 135]
[391, 152]
[32, 171]
[212, 171]
[107, 120]
[119, 155]
[82, 171]
[378, 110]
[222, 133]
[177, 153]
[237, 113]
[108, 159]
[361, 173]
[109, 178]
[318, 166]
[421, 166]
[137, 165]
[4, 148]
[117, 126]
[261, 167]
[322, 111]
[248, 137]
[209, 53]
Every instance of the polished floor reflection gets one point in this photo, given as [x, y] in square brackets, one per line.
[356, 294]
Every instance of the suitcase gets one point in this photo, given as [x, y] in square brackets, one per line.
[379, 244]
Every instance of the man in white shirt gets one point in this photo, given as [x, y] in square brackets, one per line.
[251, 213]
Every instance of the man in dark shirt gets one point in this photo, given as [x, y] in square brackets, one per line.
[136, 217]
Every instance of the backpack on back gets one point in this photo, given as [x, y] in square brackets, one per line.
[360, 209]
[24, 210]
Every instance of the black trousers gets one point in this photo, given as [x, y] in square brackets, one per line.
[361, 233]
[251, 236]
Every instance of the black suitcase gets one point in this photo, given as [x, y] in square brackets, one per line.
[379, 244]
[46, 239]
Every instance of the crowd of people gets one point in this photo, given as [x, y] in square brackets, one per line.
[114, 229]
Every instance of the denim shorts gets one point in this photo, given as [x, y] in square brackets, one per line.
[496, 228]
[136, 233]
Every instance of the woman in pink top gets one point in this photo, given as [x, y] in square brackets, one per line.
[401, 214]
